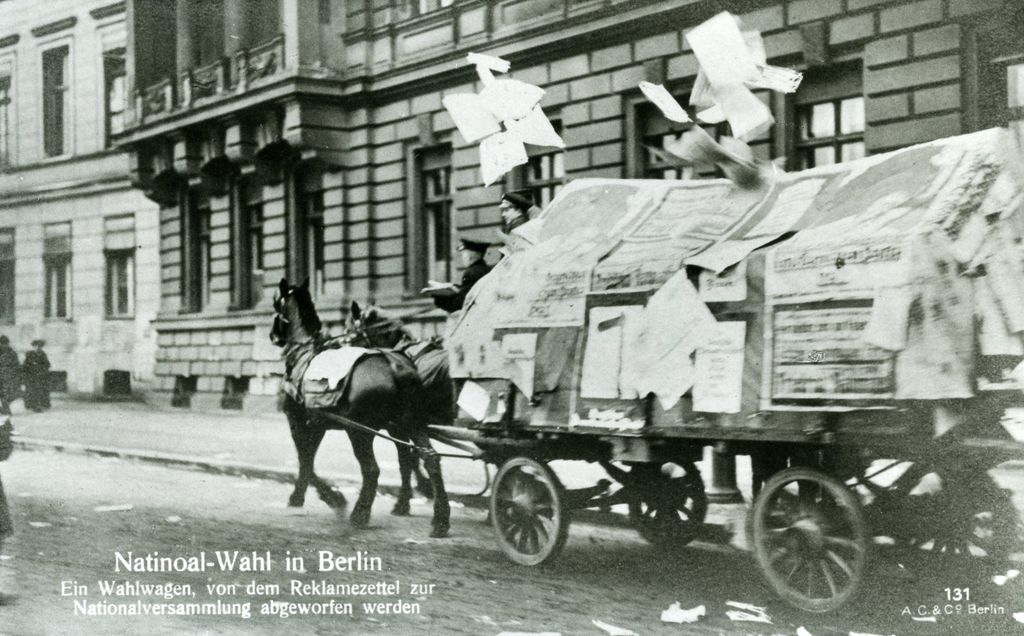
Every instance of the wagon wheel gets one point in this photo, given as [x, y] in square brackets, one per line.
[809, 538]
[528, 511]
[670, 503]
[946, 509]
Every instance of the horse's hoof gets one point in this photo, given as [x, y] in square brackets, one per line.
[401, 509]
[333, 499]
[359, 519]
[439, 533]
[296, 501]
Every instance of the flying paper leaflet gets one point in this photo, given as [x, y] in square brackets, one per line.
[507, 103]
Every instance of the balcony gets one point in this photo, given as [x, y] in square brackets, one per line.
[220, 80]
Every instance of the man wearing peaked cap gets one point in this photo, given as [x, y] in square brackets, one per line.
[515, 209]
[473, 246]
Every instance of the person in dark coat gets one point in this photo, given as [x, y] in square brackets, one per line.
[10, 375]
[452, 297]
[6, 525]
[36, 376]
[515, 209]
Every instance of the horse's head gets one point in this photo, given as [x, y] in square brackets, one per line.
[372, 327]
[295, 317]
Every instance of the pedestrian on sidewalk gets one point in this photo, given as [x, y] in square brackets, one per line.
[6, 526]
[10, 375]
[36, 376]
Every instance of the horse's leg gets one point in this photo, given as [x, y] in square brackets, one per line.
[307, 440]
[442, 510]
[423, 485]
[406, 461]
[362, 447]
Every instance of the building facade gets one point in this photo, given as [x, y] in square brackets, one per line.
[295, 138]
[79, 262]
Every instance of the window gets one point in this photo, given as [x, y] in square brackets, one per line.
[656, 133]
[5, 121]
[829, 117]
[1000, 75]
[57, 270]
[426, 6]
[119, 252]
[312, 218]
[7, 276]
[544, 174]
[113, 91]
[195, 245]
[247, 234]
[433, 218]
[55, 103]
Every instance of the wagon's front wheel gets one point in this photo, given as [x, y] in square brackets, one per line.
[810, 539]
[528, 511]
[670, 505]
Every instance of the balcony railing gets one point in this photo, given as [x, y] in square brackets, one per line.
[205, 81]
[259, 62]
[222, 78]
[156, 99]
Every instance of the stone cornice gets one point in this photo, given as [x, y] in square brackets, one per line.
[55, 27]
[107, 11]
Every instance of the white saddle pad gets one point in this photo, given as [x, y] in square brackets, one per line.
[333, 365]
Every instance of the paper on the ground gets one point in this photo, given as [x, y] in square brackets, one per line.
[1019, 617]
[612, 629]
[475, 400]
[926, 619]
[113, 508]
[535, 128]
[801, 631]
[498, 154]
[675, 614]
[665, 102]
[471, 116]
[530, 634]
[747, 617]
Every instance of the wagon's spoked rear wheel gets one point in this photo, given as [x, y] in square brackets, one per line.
[528, 511]
[810, 539]
[670, 505]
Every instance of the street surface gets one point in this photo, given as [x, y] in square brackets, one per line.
[607, 574]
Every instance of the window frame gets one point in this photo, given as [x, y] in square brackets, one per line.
[8, 271]
[194, 217]
[420, 264]
[6, 115]
[110, 75]
[246, 242]
[110, 257]
[520, 179]
[67, 98]
[833, 83]
[57, 262]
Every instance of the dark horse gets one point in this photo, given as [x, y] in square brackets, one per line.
[379, 396]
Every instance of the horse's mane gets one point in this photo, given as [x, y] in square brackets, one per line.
[376, 318]
[307, 310]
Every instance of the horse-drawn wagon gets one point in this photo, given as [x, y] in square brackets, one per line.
[857, 330]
